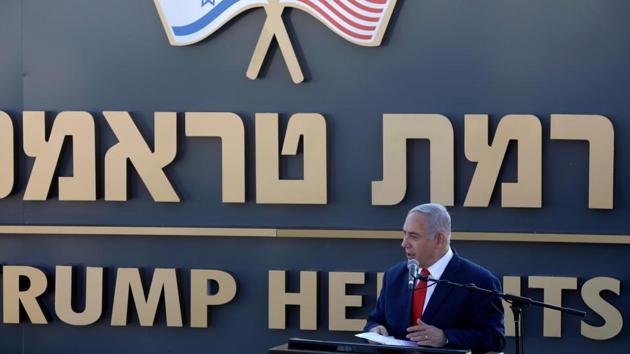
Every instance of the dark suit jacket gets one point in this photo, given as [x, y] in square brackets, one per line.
[469, 319]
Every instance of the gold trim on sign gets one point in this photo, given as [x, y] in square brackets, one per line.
[305, 233]
[138, 231]
[544, 238]
[362, 234]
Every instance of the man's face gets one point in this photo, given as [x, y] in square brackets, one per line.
[418, 243]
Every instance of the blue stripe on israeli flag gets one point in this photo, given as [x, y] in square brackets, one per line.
[205, 20]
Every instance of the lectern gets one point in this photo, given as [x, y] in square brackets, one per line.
[308, 346]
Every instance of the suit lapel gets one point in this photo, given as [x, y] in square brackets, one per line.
[441, 292]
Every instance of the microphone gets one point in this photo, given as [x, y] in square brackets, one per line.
[412, 266]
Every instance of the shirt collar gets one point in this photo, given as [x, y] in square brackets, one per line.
[437, 268]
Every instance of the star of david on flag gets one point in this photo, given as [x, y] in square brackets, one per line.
[361, 22]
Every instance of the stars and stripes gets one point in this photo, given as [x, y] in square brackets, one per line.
[361, 22]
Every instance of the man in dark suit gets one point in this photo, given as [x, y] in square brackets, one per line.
[438, 315]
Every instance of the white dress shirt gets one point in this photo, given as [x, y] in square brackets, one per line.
[436, 270]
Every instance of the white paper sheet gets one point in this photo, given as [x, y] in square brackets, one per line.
[377, 338]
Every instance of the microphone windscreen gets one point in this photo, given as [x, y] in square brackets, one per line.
[413, 266]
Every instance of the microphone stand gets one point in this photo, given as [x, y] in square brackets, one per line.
[412, 290]
[517, 303]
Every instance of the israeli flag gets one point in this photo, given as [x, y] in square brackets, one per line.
[190, 21]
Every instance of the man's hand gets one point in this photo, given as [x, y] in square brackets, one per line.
[380, 330]
[424, 334]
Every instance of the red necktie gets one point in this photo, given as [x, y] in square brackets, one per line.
[419, 295]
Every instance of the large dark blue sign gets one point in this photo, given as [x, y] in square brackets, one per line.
[450, 58]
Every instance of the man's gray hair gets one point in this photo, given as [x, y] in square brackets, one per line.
[437, 218]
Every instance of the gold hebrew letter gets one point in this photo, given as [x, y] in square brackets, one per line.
[78, 125]
[269, 188]
[7, 157]
[93, 296]
[229, 127]
[150, 165]
[527, 131]
[600, 134]
[397, 129]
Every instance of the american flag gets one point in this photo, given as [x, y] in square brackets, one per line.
[361, 22]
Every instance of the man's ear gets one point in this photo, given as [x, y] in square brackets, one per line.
[440, 239]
